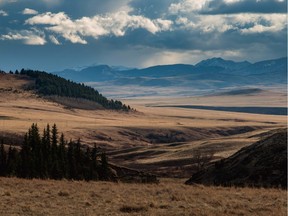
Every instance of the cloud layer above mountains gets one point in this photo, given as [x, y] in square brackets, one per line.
[141, 32]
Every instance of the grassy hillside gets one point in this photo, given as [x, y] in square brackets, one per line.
[263, 163]
[48, 84]
[165, 137]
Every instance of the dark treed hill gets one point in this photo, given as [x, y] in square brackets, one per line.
[48, 84]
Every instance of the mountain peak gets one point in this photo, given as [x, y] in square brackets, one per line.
[220, 62]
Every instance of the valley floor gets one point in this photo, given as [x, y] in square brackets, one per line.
[169, 197]
[160, 138]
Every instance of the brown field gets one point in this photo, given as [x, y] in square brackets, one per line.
[170, 197]
[155, 139]
[159, 139]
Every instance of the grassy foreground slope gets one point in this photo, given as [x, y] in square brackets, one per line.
[169, 198]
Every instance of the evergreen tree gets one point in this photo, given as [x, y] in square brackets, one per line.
[3, 158]
[37, 153]
[62, 157]
[46, 142]
[25, 157]
[78, 160]
[86, 165]
[38, 159]
[104, 167]
[55, 169]
[71, 161]
[12, 161]
[93, 163]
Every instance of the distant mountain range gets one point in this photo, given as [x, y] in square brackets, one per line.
[214, 73]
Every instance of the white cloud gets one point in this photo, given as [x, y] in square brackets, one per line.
[28, 11]
[205, 24]
[54, 40]
[35, 40]
[243, 23]
[110, 24]
[49, 19]
[187, 15]
[28, 37]
[233, 1]
[187, 6]
[61, 24]
[3, 13]
[259, 23]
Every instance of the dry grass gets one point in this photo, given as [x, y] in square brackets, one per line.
[18, 110]
[170, 197]
[201, 129]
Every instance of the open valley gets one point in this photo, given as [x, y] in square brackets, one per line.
[161, 140]
[143, 108]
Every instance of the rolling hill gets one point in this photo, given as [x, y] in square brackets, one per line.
[157, 139]
[46, 84]
[263, 163]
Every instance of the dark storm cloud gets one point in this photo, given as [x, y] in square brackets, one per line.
[143, 31]
[195, 40]
[246, 6]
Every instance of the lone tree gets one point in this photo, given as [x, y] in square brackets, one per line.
[202, 158]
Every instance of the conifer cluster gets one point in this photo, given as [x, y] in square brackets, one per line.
[50, 84]
[52, 157]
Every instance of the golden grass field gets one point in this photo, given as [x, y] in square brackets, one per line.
[126, 137]
[169, 198]
[224, 133]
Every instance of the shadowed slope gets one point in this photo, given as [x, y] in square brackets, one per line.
[263, 163]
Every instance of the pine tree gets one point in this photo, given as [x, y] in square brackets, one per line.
[71, 161]
[86, 165]
[104, 167]
[62, 157]
[46, 142]
[94, 164]
[37, 153]
[78, 160]
[3, 158]
[55, 169]
[12, 161]
[25, 157]
[37, 159]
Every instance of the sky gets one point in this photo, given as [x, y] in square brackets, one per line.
[53, 35]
